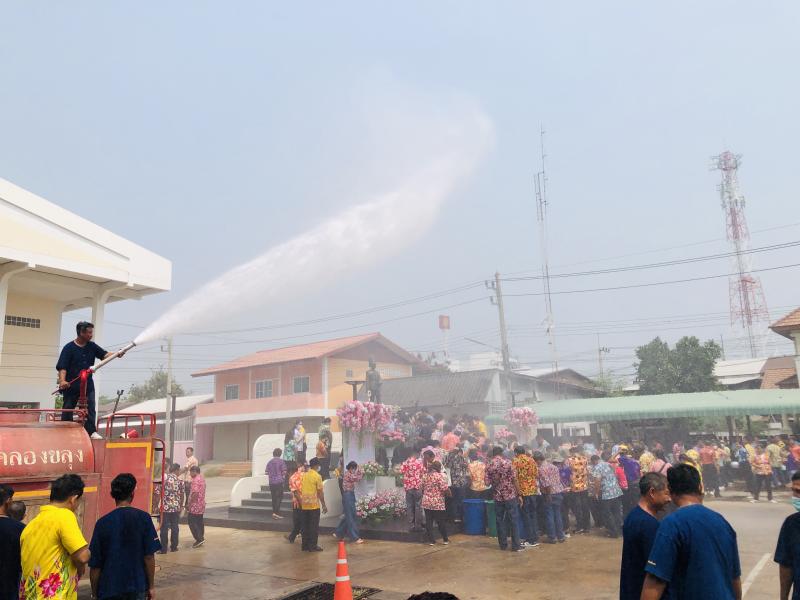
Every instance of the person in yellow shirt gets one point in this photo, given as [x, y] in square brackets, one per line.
[311, 498]
[54, 551]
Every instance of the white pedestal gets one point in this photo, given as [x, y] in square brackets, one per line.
[360, 450]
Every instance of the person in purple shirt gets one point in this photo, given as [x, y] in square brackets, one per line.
[633, 473]
[276, 471]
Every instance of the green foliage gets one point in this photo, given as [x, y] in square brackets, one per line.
[611, 385]
[154, 387]
[688, 367]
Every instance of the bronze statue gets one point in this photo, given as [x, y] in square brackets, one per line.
[373, 383]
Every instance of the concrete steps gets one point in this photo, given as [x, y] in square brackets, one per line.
[236, 469]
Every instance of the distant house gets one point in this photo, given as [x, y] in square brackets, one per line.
[789, 327]
[265, 392]
[757, 373]
[487, 392]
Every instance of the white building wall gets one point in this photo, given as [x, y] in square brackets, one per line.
[29, 355]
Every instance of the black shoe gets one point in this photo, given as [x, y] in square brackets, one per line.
[317, 549]
[163, 551]
[289, 539]
[198, 544]
[173, 549]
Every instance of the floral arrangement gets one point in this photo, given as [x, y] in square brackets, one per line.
[372, 469]
[503, 435]
[391, 437]
[389, 504]
[523, 417]
[362, 417]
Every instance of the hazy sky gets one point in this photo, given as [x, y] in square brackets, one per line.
[209, 132]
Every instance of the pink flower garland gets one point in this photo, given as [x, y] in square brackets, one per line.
[522, 417]
[361, 417]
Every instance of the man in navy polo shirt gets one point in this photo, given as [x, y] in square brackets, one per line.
[787, 554]
[78, 355]
[695, 550]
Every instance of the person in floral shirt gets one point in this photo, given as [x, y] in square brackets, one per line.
[349, 524]
[53, 550]
[500, 475]
[412, 471]
[295, 481]
[197, 507]
[477, 477]
[528, 480]
[434, 491]
[580, 484]
[607, 490]
[762, 471]
[172, 509]
[457, 466]
[552, 496]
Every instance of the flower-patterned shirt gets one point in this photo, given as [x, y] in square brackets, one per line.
[457, 465]
[173, 491]
[351, 478]
[434, 486]
[550, 478]
[761, 464]
[197, 495]
[500, 475]
[294, 486]
[412, 473]
[527, 475]
[580, 472]
[46, 544]
[477, 476]
[609, 486]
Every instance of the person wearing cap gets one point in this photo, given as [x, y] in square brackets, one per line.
[633, 472]
[552, 496]
[311, 499]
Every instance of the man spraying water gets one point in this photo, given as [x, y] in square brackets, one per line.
[78, 357]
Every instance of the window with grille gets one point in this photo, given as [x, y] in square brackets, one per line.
[232, 392]
[302, 384]
[23, 322]
[264, 389]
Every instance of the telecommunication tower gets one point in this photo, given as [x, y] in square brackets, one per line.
[748, 306]
[541, 216]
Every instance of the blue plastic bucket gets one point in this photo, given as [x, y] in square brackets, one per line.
[474, 517]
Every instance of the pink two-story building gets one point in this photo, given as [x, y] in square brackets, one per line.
[267, 391]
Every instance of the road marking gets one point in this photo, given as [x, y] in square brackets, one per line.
[754, 573]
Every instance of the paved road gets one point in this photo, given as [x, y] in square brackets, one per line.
[250, 565]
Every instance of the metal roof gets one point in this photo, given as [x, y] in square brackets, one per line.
[630, 408]
[159, 405]
[438, 389]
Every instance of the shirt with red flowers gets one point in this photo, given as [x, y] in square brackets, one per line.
[351, 478]
[550, 479]
[500, 475]
[197, 497]
[434, 486]
[412, 473]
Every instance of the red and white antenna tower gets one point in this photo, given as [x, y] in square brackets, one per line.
[748, 304]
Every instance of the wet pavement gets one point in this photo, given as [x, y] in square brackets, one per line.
[250, 565]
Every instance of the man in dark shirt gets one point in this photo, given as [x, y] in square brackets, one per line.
[639, 533]
[695, 550]
[122, 564]
[787, 554]
[78, 355]
[10, 565]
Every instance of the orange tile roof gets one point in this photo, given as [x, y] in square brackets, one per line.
[304, 352]
[788, 323]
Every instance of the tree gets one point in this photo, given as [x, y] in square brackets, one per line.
[688, 367]
[154, 387]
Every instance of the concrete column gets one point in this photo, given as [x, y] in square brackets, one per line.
[99, 299]
[6, 273]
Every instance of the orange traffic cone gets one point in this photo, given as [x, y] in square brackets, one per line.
[342, 590]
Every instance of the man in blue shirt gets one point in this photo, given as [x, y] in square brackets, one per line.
[639, 533]
[122, 564]
[78, 355]
[695, 550]
[10, 561]
[787, 554]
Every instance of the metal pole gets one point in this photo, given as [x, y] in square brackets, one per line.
[169, 408]
[171, 437]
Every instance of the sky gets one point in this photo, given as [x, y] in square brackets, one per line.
[211, 132]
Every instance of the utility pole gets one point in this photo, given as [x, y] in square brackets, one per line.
[168, 433]
[497, 299]
[600, 351]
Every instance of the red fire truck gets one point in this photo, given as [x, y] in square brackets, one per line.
[36, 447]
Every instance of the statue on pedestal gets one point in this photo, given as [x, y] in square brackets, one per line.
[373, 383]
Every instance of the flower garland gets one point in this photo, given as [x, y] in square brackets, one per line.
[523, 417]
[372, 469]
[389, 504]
[503, 435]
[360, 417]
